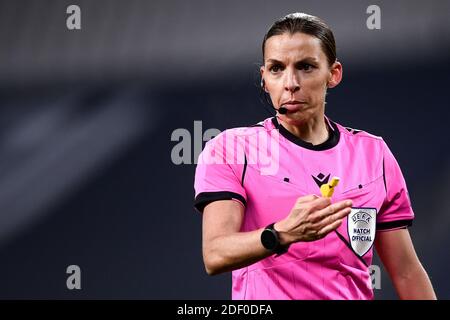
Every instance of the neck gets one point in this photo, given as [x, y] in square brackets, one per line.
[314, 131]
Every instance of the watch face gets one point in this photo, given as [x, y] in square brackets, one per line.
[269, 239]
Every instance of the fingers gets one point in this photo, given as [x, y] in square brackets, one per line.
[331, 210]
[315, 216]
[331, 222]
[329, 228]
[340, 215]
[307, 198]
[313, 203]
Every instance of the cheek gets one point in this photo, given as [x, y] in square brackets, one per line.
[315, 87]
[316, 83]
[275, 90]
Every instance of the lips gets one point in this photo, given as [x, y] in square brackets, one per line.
[293, 105]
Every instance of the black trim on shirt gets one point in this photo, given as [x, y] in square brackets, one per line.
[205, 198]
[332, 141]
[243, 170]
[342, 238]
[394, 224]
[384, 178]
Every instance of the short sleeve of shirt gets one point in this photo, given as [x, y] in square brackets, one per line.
[217, 178]
[396, 211]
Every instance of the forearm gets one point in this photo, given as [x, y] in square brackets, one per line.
[233, 251]
[226, 249]
[414, 285]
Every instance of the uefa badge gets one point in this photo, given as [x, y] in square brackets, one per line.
[361, 229]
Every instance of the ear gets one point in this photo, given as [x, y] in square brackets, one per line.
[335, 74]
[263, 85]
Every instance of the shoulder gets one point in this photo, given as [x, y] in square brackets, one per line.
[240, 133]
[361, 141]
[232, 145]
[357, 134]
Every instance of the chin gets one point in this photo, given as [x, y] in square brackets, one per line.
[296, 118]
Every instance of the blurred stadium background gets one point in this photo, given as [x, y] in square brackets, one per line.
[86, 118]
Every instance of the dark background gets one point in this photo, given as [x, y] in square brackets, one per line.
[86, 118]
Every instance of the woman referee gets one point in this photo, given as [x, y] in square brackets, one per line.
[293, 205]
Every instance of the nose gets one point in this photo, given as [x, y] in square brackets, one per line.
[292, 83]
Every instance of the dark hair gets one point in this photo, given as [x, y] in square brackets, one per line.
[308, 24]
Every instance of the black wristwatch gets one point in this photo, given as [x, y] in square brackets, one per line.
[271, 241]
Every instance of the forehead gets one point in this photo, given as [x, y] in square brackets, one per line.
[293, 46]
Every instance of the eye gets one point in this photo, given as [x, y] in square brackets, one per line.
[306, 66]
[276, 68]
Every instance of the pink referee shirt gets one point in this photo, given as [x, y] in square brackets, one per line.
[266, 168]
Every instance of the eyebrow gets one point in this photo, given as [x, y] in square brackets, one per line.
[306, 59]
